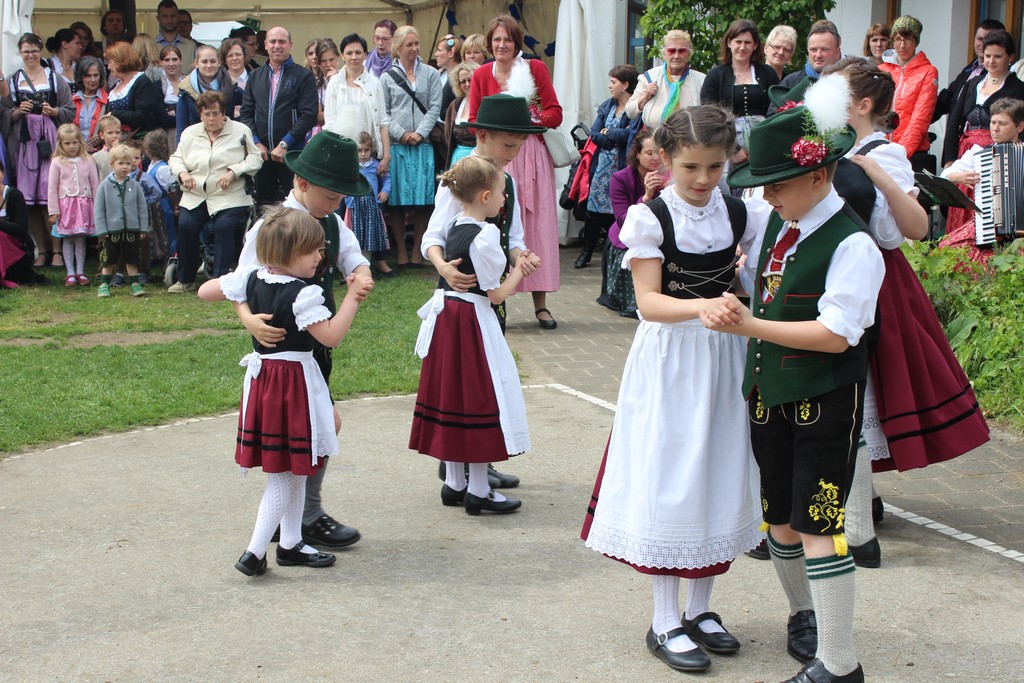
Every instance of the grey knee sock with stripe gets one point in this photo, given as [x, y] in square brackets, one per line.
[789, 565]
[832, 588]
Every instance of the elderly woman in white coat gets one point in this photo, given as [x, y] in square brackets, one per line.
[210, 164]
[669, 87]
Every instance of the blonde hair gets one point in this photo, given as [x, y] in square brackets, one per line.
[149, 51]
[287, 234]
[121, 152]
[398, 39]
[453, 76]
[471, 176]
[69, 129]
[476, 41]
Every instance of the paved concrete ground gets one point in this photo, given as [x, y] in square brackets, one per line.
[119, 552]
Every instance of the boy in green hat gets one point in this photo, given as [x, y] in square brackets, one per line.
[813, 275]
[326, 170]
[502, 125]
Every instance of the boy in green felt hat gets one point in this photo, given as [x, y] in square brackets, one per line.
[326, 170]
[813, 275]
[502, 125]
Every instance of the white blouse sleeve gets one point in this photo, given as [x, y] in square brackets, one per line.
[309, 307]
[234, 284]
[893, 160]
[350, 256]
[758, 213]
[642, 234]
[446, 208]
[516, 232]
[488, 258]
[847, 307]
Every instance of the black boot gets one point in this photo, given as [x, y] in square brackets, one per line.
[584, 257]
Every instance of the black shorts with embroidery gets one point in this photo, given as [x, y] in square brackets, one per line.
[115, 246]
[806, 451]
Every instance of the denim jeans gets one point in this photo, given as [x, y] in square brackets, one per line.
[228, 231]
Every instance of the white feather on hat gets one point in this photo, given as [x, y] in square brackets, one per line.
[828, 102]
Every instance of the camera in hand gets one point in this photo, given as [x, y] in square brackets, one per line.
[37, 100]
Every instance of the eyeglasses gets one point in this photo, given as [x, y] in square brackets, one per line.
[466, 81]
[677, 51]
[903, 39]
[30, 53]
[780, 48]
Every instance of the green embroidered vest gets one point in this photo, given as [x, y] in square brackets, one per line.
[784, 374]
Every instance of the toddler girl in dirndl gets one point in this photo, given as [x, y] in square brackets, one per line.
[71, 190]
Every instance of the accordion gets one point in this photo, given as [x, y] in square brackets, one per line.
[999, 193]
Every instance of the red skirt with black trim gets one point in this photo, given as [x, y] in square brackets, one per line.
[456, 415]
[926, 405]
[274, 432]
[695, 573]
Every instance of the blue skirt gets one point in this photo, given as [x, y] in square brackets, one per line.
[460, 153]
[367, 223]
[412, 175]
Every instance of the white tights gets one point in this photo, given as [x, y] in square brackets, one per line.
[282, 505]
[73, 251]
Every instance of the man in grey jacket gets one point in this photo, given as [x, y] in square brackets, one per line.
[280, 107]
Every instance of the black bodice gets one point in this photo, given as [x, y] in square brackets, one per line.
[277, 299]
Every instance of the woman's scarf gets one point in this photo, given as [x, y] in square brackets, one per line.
[377, 64]
[674, 91]
[221, 81]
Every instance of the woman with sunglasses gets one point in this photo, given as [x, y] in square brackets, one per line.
[664, 89]
[460, 141]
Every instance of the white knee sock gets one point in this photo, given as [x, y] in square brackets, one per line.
[860, 527]
[698, 601]
[666, 612]
[455, 475]
[291, 516]
[789, 565]
[67, 250]
[478, 484]
[832, 586]
[269, 515]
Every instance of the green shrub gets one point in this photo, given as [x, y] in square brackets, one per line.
[980, 309]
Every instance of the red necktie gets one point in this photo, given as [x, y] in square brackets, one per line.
[773, 270]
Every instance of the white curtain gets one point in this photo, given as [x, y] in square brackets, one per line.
[17, 19]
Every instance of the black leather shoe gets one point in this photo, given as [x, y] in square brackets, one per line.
[584, 257]
[296, 558]
[802, 635]
[868, 555]
[499, 480]
[250, 565]
[475, 504]
[329, 533]
[760, 552]
[719, 643]
[877, 510]
[545, 323]
[450, 497]
[691, 660]
[815, 672]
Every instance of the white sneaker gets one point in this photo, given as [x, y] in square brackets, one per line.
[182, 288]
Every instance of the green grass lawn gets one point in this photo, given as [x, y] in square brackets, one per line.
[73, 365]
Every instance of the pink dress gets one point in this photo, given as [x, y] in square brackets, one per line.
[533, 170]
[72, 188]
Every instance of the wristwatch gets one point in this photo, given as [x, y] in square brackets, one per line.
[283, 144]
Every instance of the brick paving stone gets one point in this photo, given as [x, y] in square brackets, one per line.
[983, 489]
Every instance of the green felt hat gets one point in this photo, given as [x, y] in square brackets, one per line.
[780, 94]
[772, 154]
[330, 161]
[506, 113]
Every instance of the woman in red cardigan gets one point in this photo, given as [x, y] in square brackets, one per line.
[532, 169]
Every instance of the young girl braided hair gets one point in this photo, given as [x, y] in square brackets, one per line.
[677, 493]
[469, 406]
[73, 182]
[286, 422]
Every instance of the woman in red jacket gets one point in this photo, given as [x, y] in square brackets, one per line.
[917, 86]
[533, 170]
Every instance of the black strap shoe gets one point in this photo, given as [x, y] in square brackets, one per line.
[250, 565]
[719, 643]
[329, 532]
[450, 497]
[294, 557]
[802, 635]
[815, 672]
[691, 660]
[500, 480]
[475, 504]
[545, 323]
[868, 555]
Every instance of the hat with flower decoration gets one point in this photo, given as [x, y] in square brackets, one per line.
[801, 139]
